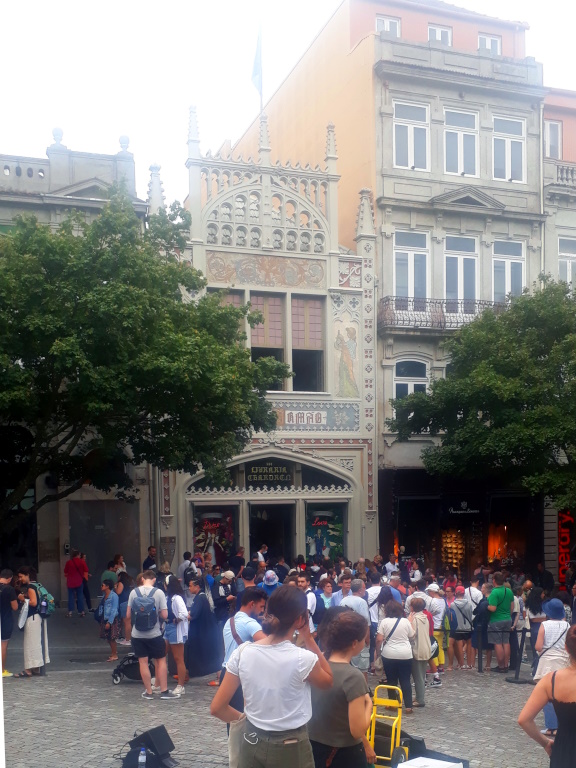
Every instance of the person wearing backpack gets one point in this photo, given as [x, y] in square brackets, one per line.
[146, 608]
[36, 653]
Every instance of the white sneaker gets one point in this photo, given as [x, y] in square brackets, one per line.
[179, 690]
[156, 689]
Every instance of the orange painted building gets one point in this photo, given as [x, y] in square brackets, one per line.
[335, 82]
[560, 107]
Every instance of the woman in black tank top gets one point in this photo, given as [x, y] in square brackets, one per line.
[559, 688]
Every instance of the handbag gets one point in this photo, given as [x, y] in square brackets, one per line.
[99, 612]
[23, 614]
[389, 635]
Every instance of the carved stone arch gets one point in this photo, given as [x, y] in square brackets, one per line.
[183, 481]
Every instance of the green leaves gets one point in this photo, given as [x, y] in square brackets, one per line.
[99, 353]
[507, 409]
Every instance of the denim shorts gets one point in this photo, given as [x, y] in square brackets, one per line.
[171, 633]
[122, 609]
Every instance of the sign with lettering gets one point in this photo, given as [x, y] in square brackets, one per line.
[566, 542]
[269, 473]
[461, 505]
[317, 417]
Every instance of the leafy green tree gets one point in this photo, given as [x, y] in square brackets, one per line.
[507, 408]
[108, 356]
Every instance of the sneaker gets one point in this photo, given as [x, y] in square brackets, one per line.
[124, 642]
[156, 689]
[5, 673]
[436, 683]
[441, 670]
[179, 690]
[169, 695]
[148, 696]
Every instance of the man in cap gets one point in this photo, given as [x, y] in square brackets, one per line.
[223, 595]
[437, 608]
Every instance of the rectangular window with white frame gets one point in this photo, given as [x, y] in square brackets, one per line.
[388, 24]
[461, 268]
[508, 277]
[461, 142]
[509, 152]
[411, 270]
[553, 139]
[440, 34]
[490, 43]
[411, 136]
[567, 260]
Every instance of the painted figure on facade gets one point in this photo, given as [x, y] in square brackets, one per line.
[347, 386]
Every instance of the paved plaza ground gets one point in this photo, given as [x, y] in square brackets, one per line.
[76, 718]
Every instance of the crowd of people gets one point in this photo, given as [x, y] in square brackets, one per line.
[290, 646]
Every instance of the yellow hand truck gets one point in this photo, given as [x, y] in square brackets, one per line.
[386, 725]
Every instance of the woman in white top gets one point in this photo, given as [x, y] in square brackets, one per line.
[276, 676]
[393, 642]
[551, 645]
[176, 629]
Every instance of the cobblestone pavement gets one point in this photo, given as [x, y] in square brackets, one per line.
[76, 718]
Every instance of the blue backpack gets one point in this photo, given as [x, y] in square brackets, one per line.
[144, 615]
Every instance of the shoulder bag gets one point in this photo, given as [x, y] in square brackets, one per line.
[536, 659]
[389, 635]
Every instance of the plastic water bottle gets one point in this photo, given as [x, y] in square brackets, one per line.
[142, 757]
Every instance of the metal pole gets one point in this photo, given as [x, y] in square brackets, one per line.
[517, 679]
[2, 741]
[480, 628]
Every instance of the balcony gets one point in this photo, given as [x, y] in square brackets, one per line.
[566, 175]
[432, 314]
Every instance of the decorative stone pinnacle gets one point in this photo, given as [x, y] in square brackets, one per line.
[155, 190]
[193, 134]
[264, 144]
[331, 153]
[57, 134]
[365, 221]
[124, 143]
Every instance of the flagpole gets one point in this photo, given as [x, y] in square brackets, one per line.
[257, 69]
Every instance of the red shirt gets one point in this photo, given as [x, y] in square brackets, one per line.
[74, 571]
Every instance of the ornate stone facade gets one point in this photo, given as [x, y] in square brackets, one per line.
[268, 234]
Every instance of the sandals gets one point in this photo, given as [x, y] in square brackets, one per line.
[550, 733]
[20, 675]
[112, 658]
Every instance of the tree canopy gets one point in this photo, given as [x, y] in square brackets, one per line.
[507, 407]
[109, 355]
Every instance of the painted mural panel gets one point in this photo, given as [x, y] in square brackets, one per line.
[271, 271]
[347, 364]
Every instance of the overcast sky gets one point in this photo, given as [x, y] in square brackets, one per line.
[133, 67]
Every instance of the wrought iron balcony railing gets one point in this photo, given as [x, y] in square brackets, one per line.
[440, 314]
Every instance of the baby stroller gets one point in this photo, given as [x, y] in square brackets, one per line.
[129, 667]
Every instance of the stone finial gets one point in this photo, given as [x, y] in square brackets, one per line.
[193, 134]
[331, 154]
[264, 143]
[365, 222]
[124, 143]
[155, 190]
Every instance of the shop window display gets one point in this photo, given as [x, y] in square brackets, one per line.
[324, 532]
[214, 534]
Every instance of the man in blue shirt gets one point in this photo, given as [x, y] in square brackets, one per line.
[243, 628]
[394, 584]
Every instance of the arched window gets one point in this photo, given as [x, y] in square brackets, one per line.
[409, 376]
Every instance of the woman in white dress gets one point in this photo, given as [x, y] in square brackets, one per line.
[35, 630]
